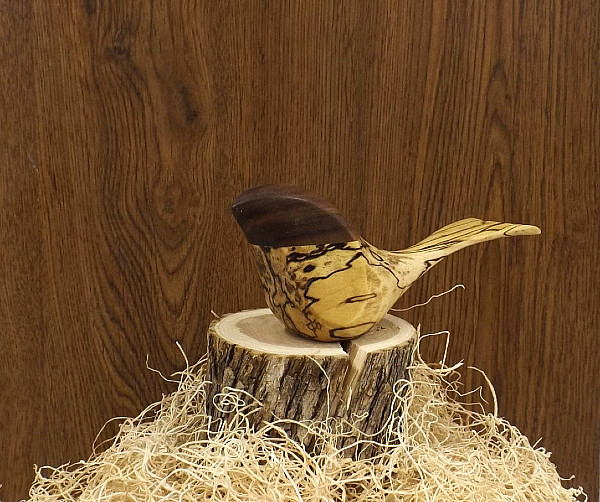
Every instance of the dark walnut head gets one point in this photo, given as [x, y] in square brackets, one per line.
[282, 215]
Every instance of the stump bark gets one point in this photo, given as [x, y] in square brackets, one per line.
[305, 380]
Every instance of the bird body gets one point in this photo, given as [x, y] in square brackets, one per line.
[339, 290]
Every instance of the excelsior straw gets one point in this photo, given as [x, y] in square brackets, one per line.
[435, 449]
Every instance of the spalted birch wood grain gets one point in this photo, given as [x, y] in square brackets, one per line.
[321, 279]
[304, 380]
[127, 128]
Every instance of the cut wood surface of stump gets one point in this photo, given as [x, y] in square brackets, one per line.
[305, 380]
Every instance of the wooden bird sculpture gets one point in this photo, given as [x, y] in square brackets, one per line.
[321, 278]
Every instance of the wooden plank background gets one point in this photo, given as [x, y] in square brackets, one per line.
[128, 128]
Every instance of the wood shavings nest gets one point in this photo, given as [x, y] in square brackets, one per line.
[436, 449]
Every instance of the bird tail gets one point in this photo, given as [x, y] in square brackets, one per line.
[463, 233]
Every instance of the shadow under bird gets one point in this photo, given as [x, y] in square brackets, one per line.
[321, 278]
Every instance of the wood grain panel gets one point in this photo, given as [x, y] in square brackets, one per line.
[129, 127]
[22, 278]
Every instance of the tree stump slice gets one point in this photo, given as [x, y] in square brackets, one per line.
[306, 380]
